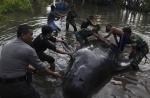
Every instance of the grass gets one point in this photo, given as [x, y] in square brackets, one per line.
[8, 6]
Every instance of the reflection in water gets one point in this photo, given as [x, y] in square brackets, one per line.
[114, 15]
[132, 18]
[125, 86]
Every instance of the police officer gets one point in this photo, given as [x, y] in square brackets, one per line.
[14, 61]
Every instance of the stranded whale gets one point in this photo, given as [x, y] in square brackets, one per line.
[92, 67]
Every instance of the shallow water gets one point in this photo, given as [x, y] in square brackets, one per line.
[130, 85]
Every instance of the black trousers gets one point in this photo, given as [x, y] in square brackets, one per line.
[49, 59]
[72, 23]
[20, 89]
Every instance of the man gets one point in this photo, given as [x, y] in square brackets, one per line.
[139, 47]
[14, 61]
[51, 20]
[116, 33]
[84, 33]
[90, 21]
[71, 15]
[43, 42]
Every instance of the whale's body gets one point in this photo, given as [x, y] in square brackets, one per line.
[91, 69]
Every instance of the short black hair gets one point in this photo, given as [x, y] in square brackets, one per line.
[46, 29]
[23, 29]
[108, 25]
[127, 30]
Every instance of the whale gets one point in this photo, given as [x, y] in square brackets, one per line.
[91, 68]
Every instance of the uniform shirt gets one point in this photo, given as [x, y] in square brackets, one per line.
[15, 57]
[136, 41]
[41, 43]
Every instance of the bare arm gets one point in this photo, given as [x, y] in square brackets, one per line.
[37, 64]
[116, 40]
[108, 35]
[45, 71]
[98, 36]
[53, 47]
[59, 40]
[50, 72]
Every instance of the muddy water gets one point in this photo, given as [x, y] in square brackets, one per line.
[129, 85]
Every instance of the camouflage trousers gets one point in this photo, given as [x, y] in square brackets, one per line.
[138, 56]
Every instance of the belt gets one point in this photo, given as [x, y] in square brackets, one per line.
[13, 80]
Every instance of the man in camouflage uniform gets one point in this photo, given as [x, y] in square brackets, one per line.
[139, 47]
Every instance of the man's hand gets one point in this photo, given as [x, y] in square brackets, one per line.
[31, 69]
[65, 43]
[58, 75]
[60, 40]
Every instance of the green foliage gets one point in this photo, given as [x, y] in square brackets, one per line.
[48, 0]
[1, 17]
[15, 5]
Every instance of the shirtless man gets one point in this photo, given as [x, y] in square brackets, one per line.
[116, 33]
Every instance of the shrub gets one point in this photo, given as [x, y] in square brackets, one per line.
[15, 5]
